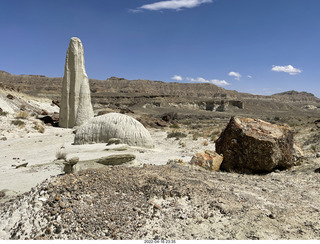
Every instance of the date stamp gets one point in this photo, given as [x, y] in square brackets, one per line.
[160, 241]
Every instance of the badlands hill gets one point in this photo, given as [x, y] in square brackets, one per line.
[159, 96]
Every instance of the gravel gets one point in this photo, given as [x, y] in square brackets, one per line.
[170, 202]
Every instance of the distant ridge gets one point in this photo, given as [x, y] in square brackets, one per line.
[296, 96]
[42, 86]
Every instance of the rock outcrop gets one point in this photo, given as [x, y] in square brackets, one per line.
[255, 146]
[114, 125]
[75, 107]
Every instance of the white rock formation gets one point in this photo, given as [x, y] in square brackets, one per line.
[114, 125]
[76, 107]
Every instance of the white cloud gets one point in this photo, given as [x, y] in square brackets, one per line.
[177, 77]
[249, 76]
[201, 80]
[135, 10]
[287, 69]
[174, 4]
[235, 74]
[213, 81]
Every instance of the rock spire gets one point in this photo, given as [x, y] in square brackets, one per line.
[76, 107]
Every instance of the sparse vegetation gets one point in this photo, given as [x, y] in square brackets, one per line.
[3, 113]
[215, 135]
[18, 122]
[22, 115]
[197, 126]
[168, 117]
[61, 154]
[38, 127]
[186, 121]
[314, 148]
[196, 135]
[176, 134]
[175, 126]
[182, 144]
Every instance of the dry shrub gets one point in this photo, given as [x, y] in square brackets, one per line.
[176, 134]
[196, 135]
[38, 127]
[215, 135]
[3, 113]
[182, 144]
[314, 148]
[175, 161]
[175, 126]
[18, 122]
[205, 143]
[61, 154]
[22, 115]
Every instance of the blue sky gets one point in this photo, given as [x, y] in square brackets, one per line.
[255, 46]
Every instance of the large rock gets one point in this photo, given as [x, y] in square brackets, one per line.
[117, 159]
[75, 106]
[255, 146]
[68, 165]
[114, 125]
[208, 160]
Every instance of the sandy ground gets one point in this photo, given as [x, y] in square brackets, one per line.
[39, 151]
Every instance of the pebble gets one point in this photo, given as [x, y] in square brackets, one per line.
[156, 206]
[42, 199]
[48, 231]
[62, 204]
[271, 216]
[58, 229]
